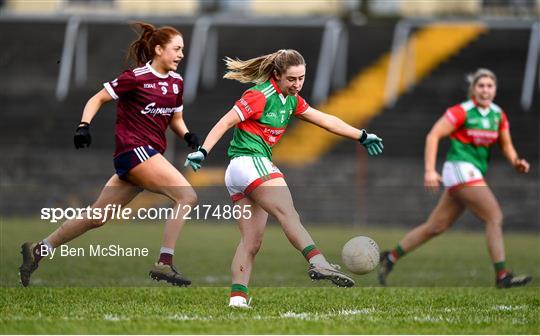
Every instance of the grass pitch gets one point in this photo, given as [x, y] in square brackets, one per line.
[444, 287]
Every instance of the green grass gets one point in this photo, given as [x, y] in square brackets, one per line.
[444, 287]
[277, 310]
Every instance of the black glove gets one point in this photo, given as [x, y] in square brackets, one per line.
[82, 136]
[192, 140]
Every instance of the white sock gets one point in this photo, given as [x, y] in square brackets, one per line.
[166, 250]
[320, 260]
[46, 243]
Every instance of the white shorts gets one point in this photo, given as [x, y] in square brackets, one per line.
[246, 173]
[460, 173]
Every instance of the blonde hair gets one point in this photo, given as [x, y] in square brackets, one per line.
[259, 69]
[474, 77]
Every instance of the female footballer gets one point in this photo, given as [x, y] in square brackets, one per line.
[261, 116]
[473, 127]
[149, 100]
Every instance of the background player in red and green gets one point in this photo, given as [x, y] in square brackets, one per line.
[473, 127]
[261, 116]
[149, 100]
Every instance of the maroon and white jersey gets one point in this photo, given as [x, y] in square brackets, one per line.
[146, 103]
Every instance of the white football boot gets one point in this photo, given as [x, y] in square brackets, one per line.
[330, 272]
[239, 302]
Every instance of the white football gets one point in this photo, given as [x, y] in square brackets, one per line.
[360, 255]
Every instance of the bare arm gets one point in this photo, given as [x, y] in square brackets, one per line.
[178, 125]
[195, 159]
[331, 123]
[94, 104]
[442, 129]
[229, 120]
[509, 152]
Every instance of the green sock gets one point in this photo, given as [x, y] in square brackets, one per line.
[500, 269]
[400, 251]
[310, 251]
[396, 253]
[239, 290]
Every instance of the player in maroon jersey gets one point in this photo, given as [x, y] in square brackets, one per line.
[149, 100]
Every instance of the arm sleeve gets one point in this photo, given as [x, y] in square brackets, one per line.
[505, 124]
[121, 85]
[455, 115]
[251, 104]
[301, 105]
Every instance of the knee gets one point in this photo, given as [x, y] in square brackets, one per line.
[186, 197]
[253, 246]
[495, 219]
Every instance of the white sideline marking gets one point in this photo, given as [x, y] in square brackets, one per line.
[356, 311]
[318, 316]
[115, 318]
[232, 316]
[183, 317]
[429, 318]
[509, 308]
[301, 316]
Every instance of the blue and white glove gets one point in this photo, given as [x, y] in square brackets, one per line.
[195, 159]
[372, 142]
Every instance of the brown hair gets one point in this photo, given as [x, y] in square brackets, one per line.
[474, 77]
[143, 49]
[260, 69]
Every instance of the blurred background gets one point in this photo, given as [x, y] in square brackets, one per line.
[390, 66]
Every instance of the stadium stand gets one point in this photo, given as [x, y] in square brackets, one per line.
[406, 125]
[41, 168]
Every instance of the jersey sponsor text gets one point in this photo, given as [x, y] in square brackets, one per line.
[150, 109]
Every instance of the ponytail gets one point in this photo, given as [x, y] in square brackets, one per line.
[142, 50]
[260, 69]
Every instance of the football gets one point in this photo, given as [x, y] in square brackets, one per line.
[360, 255]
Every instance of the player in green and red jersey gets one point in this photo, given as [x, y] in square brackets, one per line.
[261, 116]
[473, 127]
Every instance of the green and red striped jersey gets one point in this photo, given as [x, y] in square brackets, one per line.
[476, 130]
[265, 114]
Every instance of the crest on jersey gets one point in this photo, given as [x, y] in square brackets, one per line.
[175, 88]
[486, 123]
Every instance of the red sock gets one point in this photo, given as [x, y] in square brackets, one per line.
[502, 273]
[165, 258]
[500, 269]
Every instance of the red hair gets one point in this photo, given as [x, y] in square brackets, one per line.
[143, 49]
